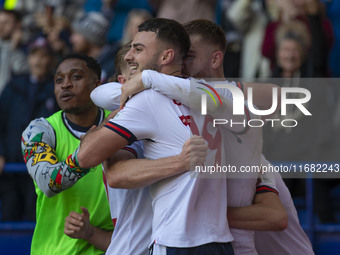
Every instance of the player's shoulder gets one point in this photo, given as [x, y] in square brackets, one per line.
[38, 127]
[107, 95]
[148, 96]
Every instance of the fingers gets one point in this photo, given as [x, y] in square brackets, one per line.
[85, 212]
[74, 219]
[198, 150]
[76, 224]
[194, 152]
[72, 224]
[124, 97]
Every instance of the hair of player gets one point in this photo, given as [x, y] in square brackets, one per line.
[169, 31]
[209, 31]
[119, 61]
[16, 14]
[91, 63]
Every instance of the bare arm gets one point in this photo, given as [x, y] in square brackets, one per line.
[78, 226]
[135, 173]
[265, 214]
[98, 145]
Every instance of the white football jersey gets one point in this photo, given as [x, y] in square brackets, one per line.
[188, 211]
[131, 214]
[291, 241]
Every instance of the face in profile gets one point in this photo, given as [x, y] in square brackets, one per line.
[73, 84]
[290, 55]
[145, 53]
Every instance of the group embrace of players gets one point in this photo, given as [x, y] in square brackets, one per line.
[146, 150]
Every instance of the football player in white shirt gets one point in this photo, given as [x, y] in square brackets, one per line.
[179, 203]
[131, 209]
[261, 217]
[202, 63]
[205, 60]
[275, 216]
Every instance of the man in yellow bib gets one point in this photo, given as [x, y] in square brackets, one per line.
[48, 147]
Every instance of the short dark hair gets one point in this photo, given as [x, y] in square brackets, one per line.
[16, 14]
[208, 30]
[119, 60]
[169, 31]
[90, 62]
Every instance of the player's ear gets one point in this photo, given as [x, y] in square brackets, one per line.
[167, 56]
[121, 79]
[217, 59]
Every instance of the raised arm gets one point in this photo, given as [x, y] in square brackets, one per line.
[187, 92]
[38, 148]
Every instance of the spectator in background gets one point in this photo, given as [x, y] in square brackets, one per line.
[12, 58]
[116, 12]
[294, 61]
[59, 39]
[56, 28]
[185, 11]
[333, 10]
[293, 44]
[25, 97]
[133, 20]
[311, 13]
[250, 18]
[89, 38]
[36, 10]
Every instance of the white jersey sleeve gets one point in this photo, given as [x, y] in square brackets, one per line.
[189, 92]
[134, 121]
[107, 96]
[170, 86]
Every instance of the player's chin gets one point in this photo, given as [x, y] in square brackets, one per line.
[71, 109]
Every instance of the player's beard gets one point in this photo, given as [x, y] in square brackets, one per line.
[152, 63]
[78, 110]
[150, 66]
[73, 110]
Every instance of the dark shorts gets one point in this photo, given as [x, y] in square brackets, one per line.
[206, 249]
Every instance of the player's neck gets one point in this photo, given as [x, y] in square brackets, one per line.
[174, 70]
[171, 71]
[84, 118]
[218, 73]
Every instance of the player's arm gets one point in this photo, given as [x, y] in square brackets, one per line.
[136, 173]
[38, 148]
[265, 214]
[98, 145]
[132, 122]
[179, 89]
[185, 91]
[78, 226]
[107, 96]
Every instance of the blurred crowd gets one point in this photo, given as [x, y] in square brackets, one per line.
[266, 38]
